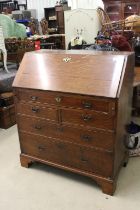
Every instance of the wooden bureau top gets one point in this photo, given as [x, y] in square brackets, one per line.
[79, 72]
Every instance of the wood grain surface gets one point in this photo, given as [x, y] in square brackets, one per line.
[87, 73]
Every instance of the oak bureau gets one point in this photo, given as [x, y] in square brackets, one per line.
[72, 108]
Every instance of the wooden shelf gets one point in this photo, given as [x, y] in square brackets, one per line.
[58, 14]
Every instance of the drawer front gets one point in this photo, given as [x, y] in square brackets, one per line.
[37, 110]
[91, 138]
[87, 118]
[35, 96]
[67, 154]
[67, 100]
[33, 125]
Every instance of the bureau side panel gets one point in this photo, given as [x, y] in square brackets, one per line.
[124, 107]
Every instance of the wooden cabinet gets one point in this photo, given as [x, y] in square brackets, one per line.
[72, 113]
[118, 10]
[131, 8]
[55, 18]
[113, 9]
[50, 16]
[87, 28]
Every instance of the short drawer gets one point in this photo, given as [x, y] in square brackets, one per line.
[35, 96]
[87, 118]
[37, 110]
[67, 154]
[67, 100]
[91, 138]
[33, 125]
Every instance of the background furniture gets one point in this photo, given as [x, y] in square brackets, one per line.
[3, 49]
[53, 41]
[17, 47]
[108, 25]
[55, 18]
[7, 116]
[10, 5]
[24, 14]
[87, 28]
[133, 22]
[119, 10]
[11, 28]
[136, 92]
[7, 110]
[44, 26]
[3, 4]
[22, 4]
[69, 111]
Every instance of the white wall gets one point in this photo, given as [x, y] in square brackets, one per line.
[41, 4]
[85, 4]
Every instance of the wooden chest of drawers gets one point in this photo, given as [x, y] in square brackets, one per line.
[72, 109]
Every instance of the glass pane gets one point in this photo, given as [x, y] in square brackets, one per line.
[113, 9]
[131, 8]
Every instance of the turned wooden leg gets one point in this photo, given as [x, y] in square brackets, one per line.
[25, 161]
[107, 187]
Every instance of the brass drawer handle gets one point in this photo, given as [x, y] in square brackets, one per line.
[86, 138]
[41, 148]
[87, 105]
[87, 117]
[38, 127]
[35, 109]
[58, 99]
[34, 98]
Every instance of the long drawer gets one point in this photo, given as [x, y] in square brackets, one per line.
[93, 138]
[88, 118]
[67, 154]
[71, 100]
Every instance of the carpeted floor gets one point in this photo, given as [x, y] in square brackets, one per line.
[6, 79]
[45, 188]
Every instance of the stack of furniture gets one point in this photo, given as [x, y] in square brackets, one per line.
[11, 5]
[120, 10]
[7, 110]
[22, 5]
[55, 18]
[17, 47]
[74, 115]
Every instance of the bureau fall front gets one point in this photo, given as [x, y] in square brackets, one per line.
[72, 108]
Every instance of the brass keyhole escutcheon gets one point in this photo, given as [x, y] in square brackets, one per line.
[67, 59]
[58, 99]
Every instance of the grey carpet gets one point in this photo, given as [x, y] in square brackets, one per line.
[46, 188]
[6, 79]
